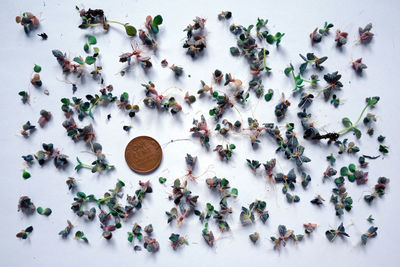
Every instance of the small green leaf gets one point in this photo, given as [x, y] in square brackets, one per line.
[81, 195]
[357, 133]
[86, 47]
[90, 60]
[270, 39]
[234, 192]
[162, 180]
[130, 30]
[158, 20]
[344, 171]
[232, 146]
[78, 60]
[96, 49]
[92, 40]
[155, 29]
[26, 175]
[346, 122]
[37, 68]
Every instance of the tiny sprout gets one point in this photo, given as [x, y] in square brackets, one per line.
[325, 30]
[330, 172]
[318, 200]
[381, 138]
[281, 108]
[258, 207]
[362, 161]
[229, 79]
[271, 39]
[79, 235]
[195, 41]
[164, 63]
[309, 228]
[225, 15]
[24, 233]
[315, 36]
[225, 153]
[151, 244]
[268, 95]
[292, 198]
[379, 189]
[177, 241]
[366, 34]
[99, 165]
[305, 179]
[254, 237]
[28, 159]
[26, 205]
[223, 103]
[371, 233]
[298, 81]
[201, 129]
[341, 200]
[190, 99]
[341, 38]
[370, 131]
[352, 126]
[331, 159]
[190, 163]
[148, 229]
[358, 66]
[177, 70]
[152, 24]
[28, 21]
[24, 96]
[253, 164]
[269, 167]
[208, 235]
[288, 180]
[43, 35]
[162, 180]
[370, 219]
[96, 17]
[312, 59]
[127, 128]
[26, 175]
[384, 149]
[186, 204]
[217, 75]
[205, 88]
[284, 236]
[71, 183]
[45, 116]
[136, 232]
[335, 101]
[37, 68]
[305, 100]
[36, 80]
[27, 129]
[46, 211]
[332, 234]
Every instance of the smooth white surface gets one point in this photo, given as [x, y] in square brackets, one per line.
[47, 186]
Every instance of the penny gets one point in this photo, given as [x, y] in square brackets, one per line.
[143, 154]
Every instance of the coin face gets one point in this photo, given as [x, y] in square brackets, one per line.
[143, 154]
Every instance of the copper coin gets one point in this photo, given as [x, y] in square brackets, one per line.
[143, 154]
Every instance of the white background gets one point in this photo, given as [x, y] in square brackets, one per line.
[47, 187]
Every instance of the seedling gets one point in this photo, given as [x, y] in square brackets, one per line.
[96, 17]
